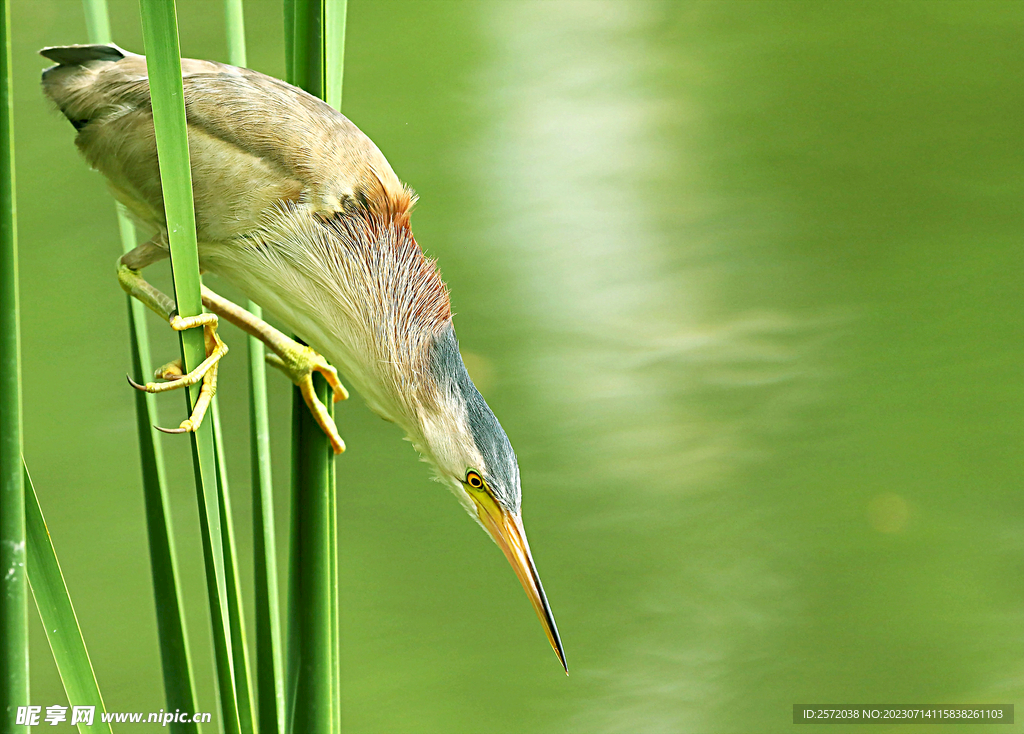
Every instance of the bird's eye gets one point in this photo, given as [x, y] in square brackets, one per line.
[474, 480]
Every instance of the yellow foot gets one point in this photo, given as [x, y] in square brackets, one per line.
[299, 363]
[206, 372]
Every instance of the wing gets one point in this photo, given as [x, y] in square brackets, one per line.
[254, 141]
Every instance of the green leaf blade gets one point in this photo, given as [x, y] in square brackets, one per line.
[58, 615]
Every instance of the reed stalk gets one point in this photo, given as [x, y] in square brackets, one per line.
[175, 659]
[236, 612]
[160, 31]
[269, 673]
[314, 45]
[14, 667]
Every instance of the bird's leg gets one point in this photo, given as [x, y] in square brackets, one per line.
[136, 286]
[296, 360]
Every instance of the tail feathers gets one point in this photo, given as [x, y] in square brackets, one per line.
[79, 54]
[70, 83]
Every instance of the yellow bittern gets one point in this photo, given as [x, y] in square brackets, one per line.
[301, 211]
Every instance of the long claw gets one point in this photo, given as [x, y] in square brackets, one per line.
[136, 385]
[206, 393]
[172, 430]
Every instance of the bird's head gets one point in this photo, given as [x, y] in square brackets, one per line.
[459, 434]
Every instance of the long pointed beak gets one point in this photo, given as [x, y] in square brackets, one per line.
[507, 531]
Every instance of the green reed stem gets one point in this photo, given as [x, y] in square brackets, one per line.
[97, 21]
[234, 20]
[14, 670]
[269, 673]
[236, 612]
[312, 646]
[269, 661]
[179, 686]
[314, 44]
[160, 31]
[335, 18]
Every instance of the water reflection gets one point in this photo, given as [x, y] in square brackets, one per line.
[665, 395]
[683, 337]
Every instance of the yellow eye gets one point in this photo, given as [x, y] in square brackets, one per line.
[474, 480]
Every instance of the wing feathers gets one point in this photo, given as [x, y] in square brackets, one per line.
[104, 91]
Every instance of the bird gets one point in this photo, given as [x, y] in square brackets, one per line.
[301, 211]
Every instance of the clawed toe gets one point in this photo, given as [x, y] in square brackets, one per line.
[206, 372]
[296, 360]
[179, 429]
[173, 372]
[300, 364]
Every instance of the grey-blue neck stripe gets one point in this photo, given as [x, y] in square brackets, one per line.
[501, 468]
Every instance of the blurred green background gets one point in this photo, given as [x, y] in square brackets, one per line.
[742, 282]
